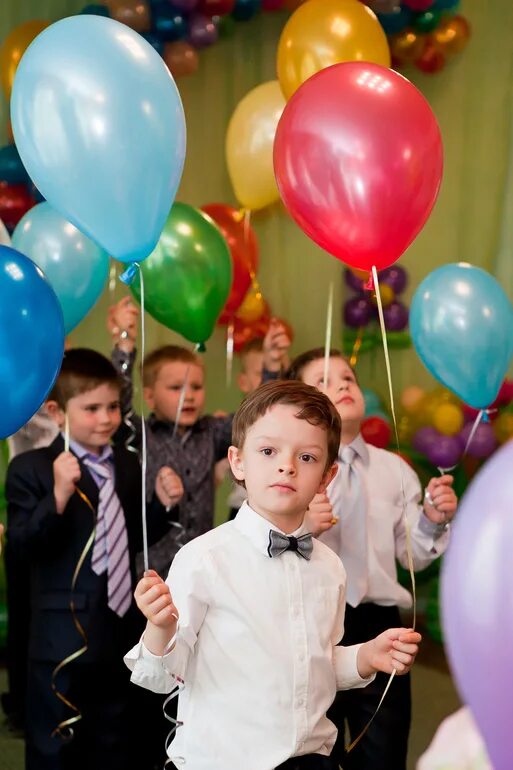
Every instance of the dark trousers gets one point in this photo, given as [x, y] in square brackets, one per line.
[384, 745]
[308, 762]
[17, 571]
[111, 733]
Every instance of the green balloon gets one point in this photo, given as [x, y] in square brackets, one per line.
[188, 276]
[427, 21]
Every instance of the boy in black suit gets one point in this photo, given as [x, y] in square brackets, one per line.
[56, 499]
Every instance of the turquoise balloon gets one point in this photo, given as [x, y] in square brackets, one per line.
[461, 323]
[100, 128]
[372, 401]
[75, 266]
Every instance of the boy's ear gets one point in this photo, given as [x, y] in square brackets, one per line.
[328, 478]
[236, 463]
[148, 397]
[55, 412]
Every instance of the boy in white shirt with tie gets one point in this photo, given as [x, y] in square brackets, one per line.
[361, 518]
[261, 606]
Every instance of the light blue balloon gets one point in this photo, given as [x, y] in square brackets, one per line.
[461, 323]
[372, 401]
[100, 127]
[31, 339]
[76, 267]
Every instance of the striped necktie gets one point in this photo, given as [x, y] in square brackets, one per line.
[110, 551]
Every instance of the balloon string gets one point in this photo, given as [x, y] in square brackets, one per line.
[356, 347]
[66, 432]
[144, 456]
[65, 728]
[403, 493]
[113, 274]
[482, 415]
[229, 353]
[327, 337]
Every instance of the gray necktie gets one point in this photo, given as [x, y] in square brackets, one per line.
[348, 538]
[279, 543]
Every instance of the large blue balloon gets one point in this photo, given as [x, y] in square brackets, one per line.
[31, 339]
[99, 125]
[76, 267]
[461, 323]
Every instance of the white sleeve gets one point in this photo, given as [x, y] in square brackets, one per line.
[427, 542]
[346, 669]
[189, 583]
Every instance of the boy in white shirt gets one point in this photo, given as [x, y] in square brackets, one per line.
[261, 606]
[362, 519]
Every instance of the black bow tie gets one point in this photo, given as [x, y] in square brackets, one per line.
[279, 543]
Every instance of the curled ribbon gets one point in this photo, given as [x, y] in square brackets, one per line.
[65, 728]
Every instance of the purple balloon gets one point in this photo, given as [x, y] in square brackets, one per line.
[445, 452]
[483, 441]
[396, 316]
[396, 277]
[202, 31]
[352, 280]
[185, 5]
[357, 312]
[477, 603]
[424, 439]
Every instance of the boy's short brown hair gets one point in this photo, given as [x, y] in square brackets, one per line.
[296, 367]
[167, 354]
[313, 406]
[82, 370]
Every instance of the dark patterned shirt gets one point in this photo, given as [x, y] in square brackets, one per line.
[192, 455]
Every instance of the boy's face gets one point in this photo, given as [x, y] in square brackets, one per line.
[282, 463]
[251, 375]
[343, 391]
[93, 416]
[163, 397]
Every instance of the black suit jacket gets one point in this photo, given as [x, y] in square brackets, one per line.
[53, 543]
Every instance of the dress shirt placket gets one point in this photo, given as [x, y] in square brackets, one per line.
[299, 645]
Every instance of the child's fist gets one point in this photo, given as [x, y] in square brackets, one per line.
[275, 346]
[319, 516]
[66, 473]
[168, 487]
[153, 597]
[440, 501]
[122, 323]
[393, 650]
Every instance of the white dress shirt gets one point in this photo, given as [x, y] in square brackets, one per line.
[383, 476]
[256, 649]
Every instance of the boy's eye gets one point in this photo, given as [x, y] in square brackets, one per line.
[91, 408]
[197, 387]
[307, 458]
[267, 451]
[175, 387]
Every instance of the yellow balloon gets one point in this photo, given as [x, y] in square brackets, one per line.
[448, 419]
[503, 427]
[253, 306]
[13, 48]
[387, 295]
[249, 145]
[325, 32]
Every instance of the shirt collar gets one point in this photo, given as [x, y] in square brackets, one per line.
[81, 452]
[256, 528]
[360, 447]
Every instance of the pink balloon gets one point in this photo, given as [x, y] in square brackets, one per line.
[418, 5]
[358, 160]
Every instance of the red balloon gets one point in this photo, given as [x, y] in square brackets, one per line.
[215, 7]
[431, 60]
[15, 201]
[243, 245]
[376, 431]
[358, 161]
[418, 5]
[272, 5]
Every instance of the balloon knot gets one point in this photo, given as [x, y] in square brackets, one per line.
[129, 274]
[369, 285]
[201, 347]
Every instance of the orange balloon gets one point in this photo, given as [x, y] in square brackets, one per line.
[407, 45]
[133, 13]
[181, 58]
[452, 35]
[13, 48]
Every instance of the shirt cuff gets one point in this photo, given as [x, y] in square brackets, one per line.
[153, 672]
[438, 536]
[346, 668]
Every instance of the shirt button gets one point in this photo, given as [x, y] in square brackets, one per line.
[300, 702]
[301, 658]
